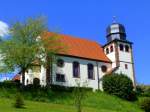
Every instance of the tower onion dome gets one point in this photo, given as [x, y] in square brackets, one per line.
[115, 31]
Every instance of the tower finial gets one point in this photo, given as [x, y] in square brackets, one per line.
[114, 19]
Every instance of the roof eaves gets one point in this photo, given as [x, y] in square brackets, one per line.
[117, 40]
[67, 55]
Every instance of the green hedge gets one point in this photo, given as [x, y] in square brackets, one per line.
[36, 92]
[119, 85]
[145, 104]
[68, 89]
[143, 90]
[9, 84]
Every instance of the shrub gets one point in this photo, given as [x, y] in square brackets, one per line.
[145, 90]
[19, 101]
[9, 84]
[61, 88]
[139, 90]
[145, 104]
[68, 89]
[119, 85]
[5, 93]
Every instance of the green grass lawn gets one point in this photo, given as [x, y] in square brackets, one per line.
[94, 102]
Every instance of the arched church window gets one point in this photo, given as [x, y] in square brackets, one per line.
[121, 47]
[126, 48]
[76, 69]
[107, 50]
[90, 71]
[111, 49]
[60, 63]
[104, 68]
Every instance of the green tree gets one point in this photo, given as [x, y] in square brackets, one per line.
[79, 94]
[19, 101]
[27, 46]
[52, 46]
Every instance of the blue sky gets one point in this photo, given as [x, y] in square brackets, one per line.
[89, 19]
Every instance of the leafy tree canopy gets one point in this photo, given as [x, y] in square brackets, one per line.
[26, 46]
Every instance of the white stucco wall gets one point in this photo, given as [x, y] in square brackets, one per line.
[27, 77]
[67, 70]
[30, 75]
[43, 76]
[128, 72]
[111, 55]
[124, 58]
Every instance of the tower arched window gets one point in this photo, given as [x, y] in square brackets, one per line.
[121, 47]
[107, 50]
[126, 48]
[76, 69]
[90, 71]
[111, 48]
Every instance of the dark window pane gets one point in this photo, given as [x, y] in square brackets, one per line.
[126, 66]
[127, 48]
[111, 49]
[60, 77]
[90, 71]
[121, 47]
[107, 50]
[104, 68]
[76, 69]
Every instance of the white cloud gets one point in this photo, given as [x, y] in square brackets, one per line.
[4, 29]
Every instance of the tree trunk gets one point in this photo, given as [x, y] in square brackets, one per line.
[23, 77]
[48, 71]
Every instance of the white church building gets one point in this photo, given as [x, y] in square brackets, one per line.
[87, 60]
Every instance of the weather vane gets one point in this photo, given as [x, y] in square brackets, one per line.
[114, 19]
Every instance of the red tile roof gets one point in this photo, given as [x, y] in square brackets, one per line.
[16, 77]
[82, 48]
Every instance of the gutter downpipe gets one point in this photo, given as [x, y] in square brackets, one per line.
[98, 75]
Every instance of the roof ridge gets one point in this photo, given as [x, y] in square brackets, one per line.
[76, 37]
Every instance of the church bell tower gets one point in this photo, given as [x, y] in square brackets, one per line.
[119, 50]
